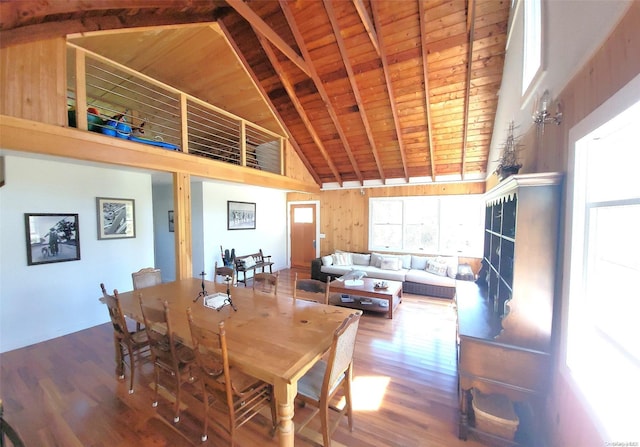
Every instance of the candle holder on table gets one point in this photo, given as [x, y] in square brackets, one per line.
[228, 301]
[203, 293]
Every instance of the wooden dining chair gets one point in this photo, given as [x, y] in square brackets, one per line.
[321, 383]
[131, 344]
[168, 355]
[238, 395]
[220, 274]
[266, 283]
[146, 277]
[311, 289]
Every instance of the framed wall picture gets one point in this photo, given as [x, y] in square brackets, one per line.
[116, 218]
[241, 215]
[52, 238]
[171, 224]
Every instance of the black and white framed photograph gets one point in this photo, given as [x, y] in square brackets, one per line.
[52, 238]
[171, 224]
[241, 215]
[116, 218]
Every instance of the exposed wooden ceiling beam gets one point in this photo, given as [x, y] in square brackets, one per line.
[456, 113]
[288, 86]
[320, 87]
[49, 30]
[15, 13]
[471, 6]
[392, 98]
[265, 96]
[260, 27]
[354, 86]
[368, 25]
[425, 71]
[471, 18]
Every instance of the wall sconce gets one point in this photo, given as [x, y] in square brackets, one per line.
[541, 114]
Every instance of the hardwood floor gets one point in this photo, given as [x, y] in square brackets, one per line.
[64, 392]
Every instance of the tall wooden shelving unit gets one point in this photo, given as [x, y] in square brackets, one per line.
[505, 337]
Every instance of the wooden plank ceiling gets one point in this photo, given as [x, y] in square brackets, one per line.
[368, 91]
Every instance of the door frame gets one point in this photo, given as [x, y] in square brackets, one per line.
[302, 202]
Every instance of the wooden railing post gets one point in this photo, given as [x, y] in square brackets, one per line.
[81, 91]
[184, 126]
[243, 143]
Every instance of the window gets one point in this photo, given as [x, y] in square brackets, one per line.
[532, 44]
[303, 215]
[602, 349]
[450, 225]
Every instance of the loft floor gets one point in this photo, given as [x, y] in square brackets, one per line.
[65, 391]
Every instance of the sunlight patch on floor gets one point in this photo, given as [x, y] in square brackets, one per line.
[367, 392]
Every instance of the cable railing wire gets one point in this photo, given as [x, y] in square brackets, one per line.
[211, 133]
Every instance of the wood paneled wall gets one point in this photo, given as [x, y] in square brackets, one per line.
[36, 88]
[293, 166]
[615, 64]
[344, 214]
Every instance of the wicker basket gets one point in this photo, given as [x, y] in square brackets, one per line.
[494, 414]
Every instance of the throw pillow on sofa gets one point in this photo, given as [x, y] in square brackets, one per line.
[419, 262]
[327, 260]
[390, 263]
[342, 258]
[403, 260]
[437, 267]
[376, 259]
[360, 258]
[452, 265]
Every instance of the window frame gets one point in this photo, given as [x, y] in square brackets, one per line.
[532, 33]
[472, 246]
[577, 328]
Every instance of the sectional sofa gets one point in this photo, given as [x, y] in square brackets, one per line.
[423, 275]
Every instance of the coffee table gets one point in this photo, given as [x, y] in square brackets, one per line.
[368, 297]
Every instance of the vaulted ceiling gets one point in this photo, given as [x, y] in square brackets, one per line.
[367, 91]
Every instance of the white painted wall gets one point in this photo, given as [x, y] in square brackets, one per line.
[209, 226]
[44, 301]
[270, 234]
[164, 242]
[573, 30]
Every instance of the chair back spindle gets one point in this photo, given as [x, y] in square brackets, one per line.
[128, 343]
[168, 355]
[243, 395]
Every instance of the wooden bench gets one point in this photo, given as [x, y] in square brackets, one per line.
[255, 262]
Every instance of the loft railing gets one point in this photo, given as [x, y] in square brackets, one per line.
[123, 103]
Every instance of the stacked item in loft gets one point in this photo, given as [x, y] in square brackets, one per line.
[116, 126]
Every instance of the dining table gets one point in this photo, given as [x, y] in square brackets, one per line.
[274, 338]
